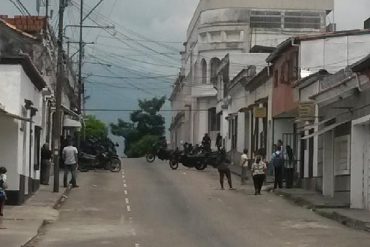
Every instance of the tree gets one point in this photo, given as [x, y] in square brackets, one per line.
[143, 130]
[94, 128]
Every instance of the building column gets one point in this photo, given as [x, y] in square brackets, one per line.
[203, 120]
[328, 166]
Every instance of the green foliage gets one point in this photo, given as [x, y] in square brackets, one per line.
[94, 128]
[143, 146]
[145, 124]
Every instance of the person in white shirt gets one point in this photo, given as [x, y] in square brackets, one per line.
[244, 166]
[258, 172]
[70, 158]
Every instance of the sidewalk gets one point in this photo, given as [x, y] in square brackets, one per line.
[21, 223]
[325, 206]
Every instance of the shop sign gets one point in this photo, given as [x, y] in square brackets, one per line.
[260, 112]
[306, 110]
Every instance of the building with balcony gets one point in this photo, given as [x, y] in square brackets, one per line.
[236, 28]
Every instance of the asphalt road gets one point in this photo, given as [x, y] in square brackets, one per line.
[151, 205]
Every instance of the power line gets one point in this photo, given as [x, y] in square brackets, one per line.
[23, 7]
[19, 8]
[125, 35]
[133, 110]
[127, 77]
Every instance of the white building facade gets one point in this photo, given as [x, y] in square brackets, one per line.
[21, 134]
[231, 27]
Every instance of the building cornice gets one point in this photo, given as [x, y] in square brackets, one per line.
[29, 68]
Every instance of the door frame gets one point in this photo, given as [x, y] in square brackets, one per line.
[360, 163]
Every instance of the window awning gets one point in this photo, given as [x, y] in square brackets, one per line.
[70, 123]
[4, 113]
[324, 130]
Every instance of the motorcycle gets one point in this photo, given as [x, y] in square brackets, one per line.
[199, 158]
[99, 154]
[106, 160]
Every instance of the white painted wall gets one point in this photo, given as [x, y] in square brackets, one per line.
[282, 126]
[15, 138]
[9, 153]
[10, 87]
[335, 53]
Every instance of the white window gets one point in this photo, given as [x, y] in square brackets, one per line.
[342, 155]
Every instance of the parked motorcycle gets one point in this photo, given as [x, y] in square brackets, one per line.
[99, 154]
[162, 154]
[200, 159]
[106, 161]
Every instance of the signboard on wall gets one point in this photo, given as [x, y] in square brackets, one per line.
[260, 112]
[306, 110]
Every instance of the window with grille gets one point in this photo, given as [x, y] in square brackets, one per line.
[299, 20]
[265, 19]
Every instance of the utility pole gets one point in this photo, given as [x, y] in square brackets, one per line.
[57, 121]
[46, 17]
[80, 84]
[47, 9]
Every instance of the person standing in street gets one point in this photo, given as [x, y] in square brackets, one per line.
[206, 142]
[244, 166]
[289, 167]
[219, 142]
[3, 187]
[278, 163]
[258, 172]
[45, 164]
[224, 170]
[70, 158]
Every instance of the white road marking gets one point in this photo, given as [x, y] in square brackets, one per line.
[128, 208]
[127, 201]
[125, 191]
[137, 245]
[125, 185]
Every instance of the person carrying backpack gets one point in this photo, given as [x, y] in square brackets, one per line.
[278, 163]
[3, 187]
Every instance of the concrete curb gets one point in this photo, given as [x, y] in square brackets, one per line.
[30, 242]
[57, 205]
[296, 200]
[344, 220]
[320, 210]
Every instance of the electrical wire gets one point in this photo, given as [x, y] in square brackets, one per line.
[19, 9]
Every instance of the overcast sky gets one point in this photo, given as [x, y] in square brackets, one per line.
[164, 21]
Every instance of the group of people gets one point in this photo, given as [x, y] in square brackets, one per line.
[282, 163]
[69, 157]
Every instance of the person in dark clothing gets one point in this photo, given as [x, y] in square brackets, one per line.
[45, 164]
[206, 142]
[219, 142]
[278, 163]
[3, 187]
[224, 170]
[289, 167]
